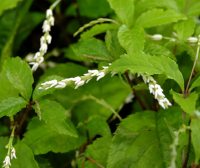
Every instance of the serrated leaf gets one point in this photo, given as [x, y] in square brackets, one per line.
[131, 39]
[195, 137]
[8, 4]
[143, 63]
[184, 29]
[25, 157]
[156, 17]
[89, 49]
[188, 104]
[124, 10]
[112, 44]
[97, 151]
[53, 114]
[42, 140]
[142, 140]
[98, 29]
[20, 76]
[12, 105]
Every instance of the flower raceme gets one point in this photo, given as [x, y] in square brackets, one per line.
[77, 81]
[45, 40]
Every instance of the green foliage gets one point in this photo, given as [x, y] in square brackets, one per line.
[102, 99]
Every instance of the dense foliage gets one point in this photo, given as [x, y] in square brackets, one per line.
[107, 83]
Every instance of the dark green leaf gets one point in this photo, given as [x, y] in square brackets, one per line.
[53, 114]
[20, 76]
[12, 105]
[25, 157]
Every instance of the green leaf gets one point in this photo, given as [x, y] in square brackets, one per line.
[112, 44]
[184, 29]
[25, 157]
[131, 39]
[97, 151]
[8, 4]
[53, 114]
[12, 105]
[195, 84]
[188, 104]
[98, 29]
[143, 63]
[195, 136]
[143, 140]
[156, 17]
[124, 10]
[20, 76]
[10, 24]
[91, 9]
[89, 49]
[193, 10]
[42, 140]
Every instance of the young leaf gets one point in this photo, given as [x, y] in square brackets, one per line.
[184, 29]
[42, 140]
[131, 39]
[156, 17]
[143, 63]
[124, 10]
[188, 104]
[195, 126]
[12, 105]
[53, 114]
[20, 76]
[142, 140]
[25, 157]
[195, 84]
[8, 4]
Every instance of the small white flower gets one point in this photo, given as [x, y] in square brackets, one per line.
[6, 162]
[37, 55]
[49, 84]
[129, 98]
[80, 83]
[42, 40]
[192, 39]
[51, 21]
[40, 60]
[93, 72]
[46, 26]
[100, 75]
[13, 153]
[43, 48]
[60, 84]
[35, 66]
[157, 37]
[49, 13]
[76, 79]
[48, 38]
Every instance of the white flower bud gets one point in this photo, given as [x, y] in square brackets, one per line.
[49, 13]
[46, 27]
[6, 162]
[192, 39]
[101, 75]
[13, 153]
[48, 38]
[43, 48]
[157, 37]
[51, 21]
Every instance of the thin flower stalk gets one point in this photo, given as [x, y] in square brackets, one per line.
[156, 90]
[76, 81]
[45, 40]
[11, 154]
[174, 145]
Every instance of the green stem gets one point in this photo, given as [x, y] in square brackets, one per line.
[195, 62]
[55, 4]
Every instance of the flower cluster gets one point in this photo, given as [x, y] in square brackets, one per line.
[77, 81]
[10, 155]
[156, 90]
[44, 40]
